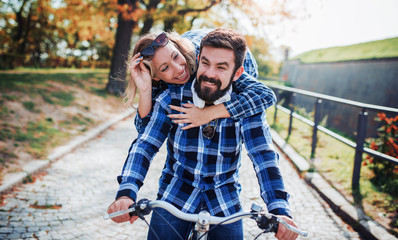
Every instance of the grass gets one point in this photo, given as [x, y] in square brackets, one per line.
[387, 48]
[334, 161]
[55, 105]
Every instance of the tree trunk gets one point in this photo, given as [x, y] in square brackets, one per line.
[148, 22]
[124, 31]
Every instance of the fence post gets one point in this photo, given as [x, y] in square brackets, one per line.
[290, 122]
[317, 118]
[276, 105]
[361, 134]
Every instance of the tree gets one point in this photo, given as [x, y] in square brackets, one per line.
[149, 16]
[28, 31]
[128, 15]
[34, 32]
[177, 11]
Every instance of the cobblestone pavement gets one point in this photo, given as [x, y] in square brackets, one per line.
[70, 199]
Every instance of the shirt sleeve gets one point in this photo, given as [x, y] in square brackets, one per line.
[151, 137]
[258, 142]
[252, 96]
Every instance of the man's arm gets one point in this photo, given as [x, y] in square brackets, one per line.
[142, 150]
[258, 142]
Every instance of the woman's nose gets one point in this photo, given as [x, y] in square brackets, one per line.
[178, 67]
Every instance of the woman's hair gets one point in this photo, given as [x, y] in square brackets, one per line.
[185, 46]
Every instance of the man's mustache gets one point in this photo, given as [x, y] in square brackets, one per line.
[203, 78]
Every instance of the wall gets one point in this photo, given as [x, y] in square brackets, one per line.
[367, 81]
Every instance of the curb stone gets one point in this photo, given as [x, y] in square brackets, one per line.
[12, 180]
[352, 215]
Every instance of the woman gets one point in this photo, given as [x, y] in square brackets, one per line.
[158, 60]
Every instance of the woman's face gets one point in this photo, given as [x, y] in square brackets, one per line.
[170, 65]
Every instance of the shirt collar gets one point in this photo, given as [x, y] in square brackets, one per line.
[198, 102]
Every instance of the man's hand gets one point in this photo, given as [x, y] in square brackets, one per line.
[122, 203]
[284, 233]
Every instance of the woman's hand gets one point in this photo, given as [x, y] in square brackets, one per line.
[122, 203]
[143, 81]
[192, 115]
[139, 73]
[195, 116]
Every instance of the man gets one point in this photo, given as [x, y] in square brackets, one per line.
[201, 169]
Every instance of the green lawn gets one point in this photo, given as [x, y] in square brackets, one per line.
[43, 108]
[387, 48]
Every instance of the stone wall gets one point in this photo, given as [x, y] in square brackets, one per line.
[367, 81]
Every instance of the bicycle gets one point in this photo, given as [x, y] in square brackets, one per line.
[265, 221]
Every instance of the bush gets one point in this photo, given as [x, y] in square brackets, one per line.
[385, 172]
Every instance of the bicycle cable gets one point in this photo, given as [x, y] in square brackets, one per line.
[229, 219]
[261, 233]
[149, 226]
[167, 222]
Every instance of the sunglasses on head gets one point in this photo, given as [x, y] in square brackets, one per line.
[160, 41]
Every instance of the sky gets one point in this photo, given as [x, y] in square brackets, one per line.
[330, 23]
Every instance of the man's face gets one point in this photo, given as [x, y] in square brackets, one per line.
[215, 73]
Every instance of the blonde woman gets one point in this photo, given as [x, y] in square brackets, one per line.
[167, 58]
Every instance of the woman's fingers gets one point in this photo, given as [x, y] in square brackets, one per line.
[179, 109]
[177, 116]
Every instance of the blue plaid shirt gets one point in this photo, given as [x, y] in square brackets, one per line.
[253, 98]
[198, 169]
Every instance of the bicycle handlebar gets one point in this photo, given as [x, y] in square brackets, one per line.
[265, 220]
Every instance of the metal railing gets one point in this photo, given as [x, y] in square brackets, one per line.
[358, 145]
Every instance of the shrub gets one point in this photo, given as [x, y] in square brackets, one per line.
[385, 172]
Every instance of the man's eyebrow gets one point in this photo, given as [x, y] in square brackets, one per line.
[218, 64]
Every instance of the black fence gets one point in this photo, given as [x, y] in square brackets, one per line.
[358, 145]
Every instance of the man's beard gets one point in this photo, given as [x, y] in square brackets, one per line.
[208, 94]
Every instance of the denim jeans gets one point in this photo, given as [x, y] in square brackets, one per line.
[233, 231]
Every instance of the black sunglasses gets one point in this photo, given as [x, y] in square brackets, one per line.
[160, 41]
[210, 129]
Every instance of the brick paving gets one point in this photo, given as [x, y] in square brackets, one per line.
[69, 200]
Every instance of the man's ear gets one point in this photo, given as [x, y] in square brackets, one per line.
[238, 73]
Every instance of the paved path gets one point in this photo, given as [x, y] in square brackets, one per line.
[69, 200]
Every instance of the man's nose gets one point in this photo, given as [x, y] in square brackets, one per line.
[211, 72]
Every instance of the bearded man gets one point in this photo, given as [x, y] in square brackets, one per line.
[201, 169]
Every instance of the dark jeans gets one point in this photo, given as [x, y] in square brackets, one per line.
[233, 231]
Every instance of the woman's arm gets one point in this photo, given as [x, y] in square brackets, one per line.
[250, 97]
[196, 116]
[141, 77]
[253, 97]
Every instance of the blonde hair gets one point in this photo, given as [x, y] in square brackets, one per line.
[185, 46]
